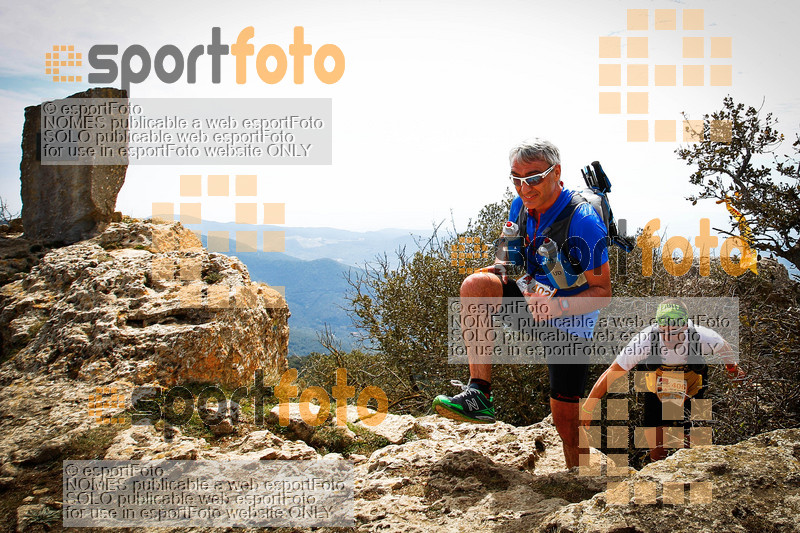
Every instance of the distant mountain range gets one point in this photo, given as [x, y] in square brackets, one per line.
[313, 271]
[347, 247]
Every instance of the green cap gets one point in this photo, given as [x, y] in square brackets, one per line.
[671, 315]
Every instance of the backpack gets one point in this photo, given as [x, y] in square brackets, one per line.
[595, 193]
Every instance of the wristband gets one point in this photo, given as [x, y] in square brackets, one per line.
[583, 408]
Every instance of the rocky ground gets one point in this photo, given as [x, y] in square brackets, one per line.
[142, 305]
[440, 475]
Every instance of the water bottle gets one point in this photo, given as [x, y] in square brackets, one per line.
[508, 248]
[510, 230]
[553, 268]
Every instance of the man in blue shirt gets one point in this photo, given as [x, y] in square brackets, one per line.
[536, 175]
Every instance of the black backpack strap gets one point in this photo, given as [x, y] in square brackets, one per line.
[695, 359]
[654, 360]
[522, 223]
[559, 229]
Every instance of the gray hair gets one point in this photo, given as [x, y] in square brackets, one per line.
[535, 149]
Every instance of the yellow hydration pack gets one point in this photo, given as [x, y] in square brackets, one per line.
[673, 382]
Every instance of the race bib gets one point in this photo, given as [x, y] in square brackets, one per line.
[527, 284]
[671, 385]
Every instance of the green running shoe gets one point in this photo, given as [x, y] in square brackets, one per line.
[470, 405]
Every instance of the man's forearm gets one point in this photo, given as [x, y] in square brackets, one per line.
[591, 299]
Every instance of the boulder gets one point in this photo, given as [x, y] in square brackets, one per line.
[393, 428]
[145, 303]
[263, 446]
[65, 203]
[296, 424]
[753, 485]
[456, 477]
[222, 418]
[357, 458]
[144, 442]
[259, 440]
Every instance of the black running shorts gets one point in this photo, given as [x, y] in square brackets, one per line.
[568, 379]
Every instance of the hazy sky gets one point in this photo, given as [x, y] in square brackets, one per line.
[433, 96]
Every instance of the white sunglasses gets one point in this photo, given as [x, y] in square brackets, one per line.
[536, 179]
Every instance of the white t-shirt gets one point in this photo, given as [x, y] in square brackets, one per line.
[712, 348]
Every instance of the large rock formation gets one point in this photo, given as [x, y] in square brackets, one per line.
[65, 203]
[145, 303]
[140, 304]
[750, 486]
[463, 477]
